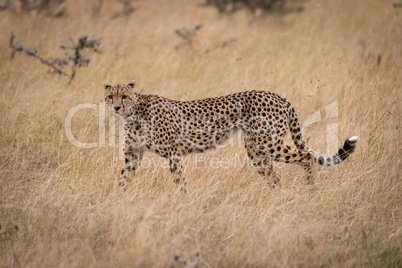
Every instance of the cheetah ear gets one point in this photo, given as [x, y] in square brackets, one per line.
[107, 86]
[131, 84]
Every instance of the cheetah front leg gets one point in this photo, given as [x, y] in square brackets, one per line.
[177, 169]
[132, 160]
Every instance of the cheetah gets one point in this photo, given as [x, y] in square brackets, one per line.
[173, 129]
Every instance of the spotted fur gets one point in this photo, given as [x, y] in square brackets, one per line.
[172, 129]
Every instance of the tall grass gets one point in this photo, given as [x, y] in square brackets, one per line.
[60, 205]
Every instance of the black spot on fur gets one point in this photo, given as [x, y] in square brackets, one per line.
[321, 160]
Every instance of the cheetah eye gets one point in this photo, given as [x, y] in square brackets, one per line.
[109, 97]
[123, 97]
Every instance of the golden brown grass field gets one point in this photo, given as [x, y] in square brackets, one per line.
[60, 205]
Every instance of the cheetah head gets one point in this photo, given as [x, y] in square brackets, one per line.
[121, 99]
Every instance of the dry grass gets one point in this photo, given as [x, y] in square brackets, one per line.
[60, 205]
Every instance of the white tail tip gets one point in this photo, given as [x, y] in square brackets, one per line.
[353, 139]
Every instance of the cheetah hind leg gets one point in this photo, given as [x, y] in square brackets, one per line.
[266, 169]
[269, 173]
[177, 169]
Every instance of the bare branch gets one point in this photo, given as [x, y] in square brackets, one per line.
[78, 59]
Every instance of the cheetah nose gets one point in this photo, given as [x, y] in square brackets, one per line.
[116, 108]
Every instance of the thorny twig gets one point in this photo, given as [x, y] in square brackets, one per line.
[187, 33]
[266, 6]
[31, 51]
[78, 59]
[53, 8]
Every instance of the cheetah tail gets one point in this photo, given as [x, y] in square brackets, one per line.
[343, 153]
[334, 160]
